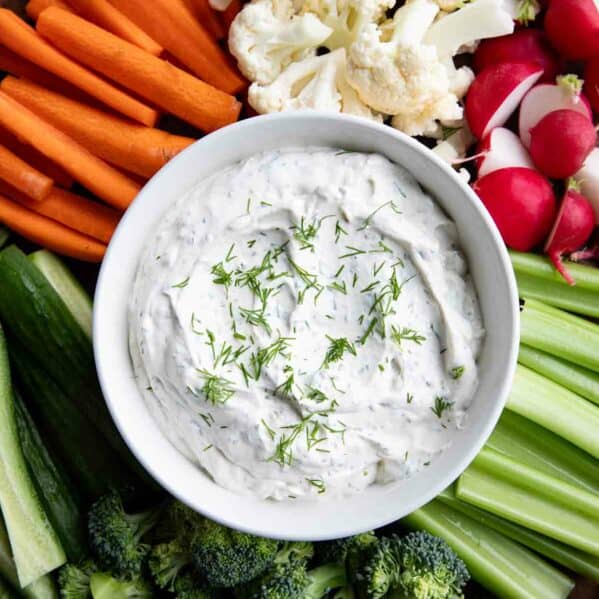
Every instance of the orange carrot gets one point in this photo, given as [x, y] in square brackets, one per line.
[172, 25]
[16, 35]
[105, 15]
[50, 234]
[83, 215]
[231, 12]
[35, 7]
[38, 161]
[207, 18]
[135, 148]
[92, 172]
[25, 178]
[163, 84]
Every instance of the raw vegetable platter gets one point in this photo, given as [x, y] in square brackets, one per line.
[85, 86]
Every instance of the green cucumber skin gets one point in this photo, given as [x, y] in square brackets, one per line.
[59, 498]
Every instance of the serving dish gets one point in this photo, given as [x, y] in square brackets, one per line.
[325, 518]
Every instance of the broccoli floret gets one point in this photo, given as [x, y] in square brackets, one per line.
[345, 593]
[227, 558]
[283, 580]
[337, 551]
[73, 580]
[166, 561]
[325, 579]
[188, 586]
[378, 570]
[104, 586]
[115, 536]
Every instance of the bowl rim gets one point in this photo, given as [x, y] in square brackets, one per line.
[361, 523]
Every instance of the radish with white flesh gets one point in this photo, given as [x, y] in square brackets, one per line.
[523, 45]
[522, 204]
[545, 98]
[588, 179]
[591, 83]
[561, 142]
[572, 229]
[496, 94]
[501, 149]
[573, 28]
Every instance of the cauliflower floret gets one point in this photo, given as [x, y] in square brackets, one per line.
[317, 82]
[268, 35]
[346, 17]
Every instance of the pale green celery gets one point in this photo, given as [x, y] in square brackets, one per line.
[501, 565]
[527, 442]
[531, 498]
[575, 560]
[537, 279]
[581, 380]
[4, 235]
[555, 408]
[561, 334]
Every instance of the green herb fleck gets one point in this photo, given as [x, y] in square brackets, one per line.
[340, 287]
[339, 230]
[182, 284]
[441, 405]
[318, 484]
[337, 349]
[216, 389]
[457, 372]
[405, 334]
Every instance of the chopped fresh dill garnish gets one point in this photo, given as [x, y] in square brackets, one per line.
[370, 287]
[211, 342]
[319, 484]
[361, 319]
[383, 300]
[339, 230]
[251, 243]
[337, 349]
[208, 447]
[266, 355]
[405, 334]
[263, 203]
[229, 255]
[182, 284]
[248, 206]
[441, 405]
[369, 218]
[354, 280]
[368, 331]
[306, 233]
[286, 387]
[221, 275]
[316, 395]
[194, 321]
[332, 379]
[381, 367]
[409, 397]
[381, 248]
[256, 318]
[340, 287]
[377, 269]
[339, 271]
[457, 372]
[207, 418]
[310, 280]
[329, 317]
[271, 433]
[353, 251]
[313, 431]
[245, 373]
[216, 389]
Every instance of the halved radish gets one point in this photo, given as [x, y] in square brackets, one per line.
[588, 179]
[522, 204]
[545, 98]
[573, 28]
[528, 45]
[591, 83]
[561, 142]
[572, 229]
[496, 93]
[501, 149]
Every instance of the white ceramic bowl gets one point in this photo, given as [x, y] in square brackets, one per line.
[378, 505]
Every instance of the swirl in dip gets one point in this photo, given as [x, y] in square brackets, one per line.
[303, 324]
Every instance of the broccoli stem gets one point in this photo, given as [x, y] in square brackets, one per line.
[496, 562]
[324, 579]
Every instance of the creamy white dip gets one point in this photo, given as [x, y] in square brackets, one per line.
[303, 324]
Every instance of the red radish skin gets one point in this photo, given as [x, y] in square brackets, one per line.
[522, 204]
[496, 93]
[573, 28]
[545, 98]
[591, 83]
[501, 149]
[588, 179]
[526, 45]
[561, 142]
[572, 229]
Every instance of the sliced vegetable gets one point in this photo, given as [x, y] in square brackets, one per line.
[499, 564]
[582, 381]
[559, 333]
[71, 292]
[35, 545]
[501, 149]
[531, 498]
[555, 408]
[35, 7]
[588, 178]
[22, 176]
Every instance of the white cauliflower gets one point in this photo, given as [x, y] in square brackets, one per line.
[346, 17]
[268, 35]
[317, 82]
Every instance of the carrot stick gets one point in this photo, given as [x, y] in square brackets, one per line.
[83, 215]
[24, 41]
[50, 234]
[35, 7]
[36, 160]
[172, 25]
[231, 12]
[135, 148]
[163, 84]
[25, 178]
[92, 172]
[207, 18]
[105, 15]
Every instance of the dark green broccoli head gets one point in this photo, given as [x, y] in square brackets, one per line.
[430, 569]
[291, 550]
[378, 571]
[177, 521]
[115, 536]
[337, 551]
[166, 561]
[283, 580]
[325, 579]
[188, 586]
[73, 580]
[227, 558]
[104, 586]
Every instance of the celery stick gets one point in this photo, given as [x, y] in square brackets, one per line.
[533, 499]
[499, 564]
[560, 334]
[569, 557]
[531, 444]
[576, 378]
[556, 409]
